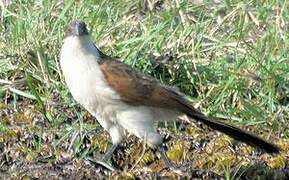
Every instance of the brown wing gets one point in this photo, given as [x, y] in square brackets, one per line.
[137, 88]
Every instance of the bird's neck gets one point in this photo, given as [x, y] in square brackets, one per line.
[83, 44]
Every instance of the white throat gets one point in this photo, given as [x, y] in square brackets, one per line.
[83, 76]
[76, 44]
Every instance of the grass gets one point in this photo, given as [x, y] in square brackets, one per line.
[230, 57]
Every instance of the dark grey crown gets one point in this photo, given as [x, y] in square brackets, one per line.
[76, 28]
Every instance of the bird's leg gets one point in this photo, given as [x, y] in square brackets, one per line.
[105, 158]
[109, 153]
[165, 158]
[168, 163]
[177, 170]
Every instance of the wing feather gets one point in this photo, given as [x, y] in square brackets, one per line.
[137, 88]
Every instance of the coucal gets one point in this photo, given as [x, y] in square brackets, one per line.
[124, 99]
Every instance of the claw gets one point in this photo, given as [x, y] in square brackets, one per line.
[101, 163]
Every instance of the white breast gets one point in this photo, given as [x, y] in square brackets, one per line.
[83, 75]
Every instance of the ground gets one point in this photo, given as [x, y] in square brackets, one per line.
[229, 57]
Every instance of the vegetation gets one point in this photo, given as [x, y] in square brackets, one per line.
[230, 57]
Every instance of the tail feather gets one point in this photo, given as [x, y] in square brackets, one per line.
[232, 131]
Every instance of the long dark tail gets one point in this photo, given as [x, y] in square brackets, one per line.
[232, 131]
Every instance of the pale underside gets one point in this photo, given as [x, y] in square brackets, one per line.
[86, 82]
[122, 98]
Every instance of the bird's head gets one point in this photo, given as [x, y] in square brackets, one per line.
[78, 39]
[76, 28]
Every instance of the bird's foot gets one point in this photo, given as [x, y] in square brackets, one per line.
[106, 157]
[102, 164]
[169, 164]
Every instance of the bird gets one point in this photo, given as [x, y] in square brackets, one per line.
[125, 100]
